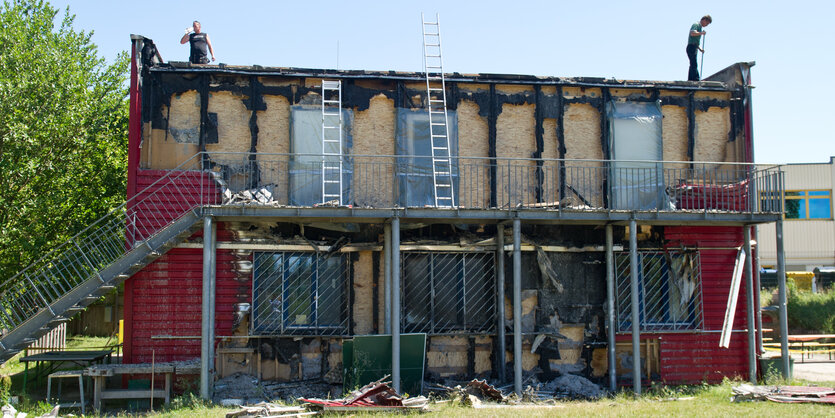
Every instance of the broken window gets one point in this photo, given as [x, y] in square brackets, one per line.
[315, 163]
[299, 293]
[669, 290]
[445, 292]
[809, 204]
[417, 175]
[637, 178]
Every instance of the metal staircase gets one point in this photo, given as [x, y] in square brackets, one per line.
[332, 158]
[433, 67]
[103, 255]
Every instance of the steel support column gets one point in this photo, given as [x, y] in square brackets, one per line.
[517, 306]
[758, 283]
[395, 304]
[387, 278]
[781, 282]
[749, 285]
[610, 307]
[500, 309]
[208, 322]
[636, 319]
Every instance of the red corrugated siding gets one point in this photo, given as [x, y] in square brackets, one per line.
[693, 358]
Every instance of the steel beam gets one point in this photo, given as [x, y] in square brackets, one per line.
[610, 307]
[517, 306]
[395, 304]
[501, 359]
[636, 319]
[207, 334]
[387, 278]
[781, 283]
[749, 285]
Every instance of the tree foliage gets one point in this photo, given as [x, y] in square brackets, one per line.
[63, 131]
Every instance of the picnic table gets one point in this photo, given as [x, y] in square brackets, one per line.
[809, 341]
[55, 359]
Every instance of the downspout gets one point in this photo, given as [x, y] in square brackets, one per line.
[610, 307]
[517, 306]
[501, 359]
[395, 304]
[636, 319]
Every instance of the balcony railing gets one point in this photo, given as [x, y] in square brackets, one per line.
[379, 181]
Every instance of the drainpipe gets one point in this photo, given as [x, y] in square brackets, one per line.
[636, 320]
[500, 308]
[517, 306]
[758, 308]
[610, 306]
[387, 277]
[749, 284]
[395, 304]
[781, 282]
[207, 335]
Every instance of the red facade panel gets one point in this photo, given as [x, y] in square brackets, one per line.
[697, 357]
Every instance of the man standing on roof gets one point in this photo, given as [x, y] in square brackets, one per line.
[199, 42]
[693, 41]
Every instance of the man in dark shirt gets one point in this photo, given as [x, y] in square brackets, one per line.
[693, 40]
[199, 44]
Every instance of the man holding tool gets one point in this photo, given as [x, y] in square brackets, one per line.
[693, 40]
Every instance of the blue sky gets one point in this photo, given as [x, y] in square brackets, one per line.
[791, 43]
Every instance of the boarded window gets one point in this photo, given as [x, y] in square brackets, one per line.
[314, 161]
[635, 137]
[416, 175]
[669, 290]
[299, 293]
[447, 293]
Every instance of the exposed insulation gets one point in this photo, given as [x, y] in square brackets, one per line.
[674, 135]
[628, 92]
[571, 348]
[274, 137]
[599, 362]
[515, 138]
[183, 135]
[278, 82]
[716, 95]
[447, 356]
[549, 89]
[513, 89]
[574, 92]
[474, 184]
[582, 141]
[373, 134]
[233, 130]
[530, 360]
[473, 87]
[161, 154]
[550, 169]
[483, 350]
[363, 294]
[712, 129]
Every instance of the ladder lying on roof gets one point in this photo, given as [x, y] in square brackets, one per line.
[433, 67]
[332, 158]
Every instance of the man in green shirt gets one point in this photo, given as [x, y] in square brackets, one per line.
[693, 40]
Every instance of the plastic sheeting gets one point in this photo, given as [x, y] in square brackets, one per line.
[306, 170]
[635, 137]
[414, 162]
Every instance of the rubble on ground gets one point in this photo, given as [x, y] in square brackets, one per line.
[375, 396]
[240, 389]
[783, 394]
[265, 409]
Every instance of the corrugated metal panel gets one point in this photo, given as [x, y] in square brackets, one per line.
[697, 357]
[808, 176]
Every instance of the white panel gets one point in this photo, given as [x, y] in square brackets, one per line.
[808, 176]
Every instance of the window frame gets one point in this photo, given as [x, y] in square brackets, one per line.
[285, 324]
[805, 197]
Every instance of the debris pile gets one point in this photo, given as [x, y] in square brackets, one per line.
[265, 409]
[784, 394]
[290, 391]
[239, 389]
[259, 195]
[375, 396]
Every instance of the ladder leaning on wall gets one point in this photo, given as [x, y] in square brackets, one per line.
[332, 158]
[433, 67]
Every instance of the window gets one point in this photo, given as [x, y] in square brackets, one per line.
[809, 204]
[307, 183]
[635, 136]
[669, 290]
[445, 293]
[299, 293]
[414, 164]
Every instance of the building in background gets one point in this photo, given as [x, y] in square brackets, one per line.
[809, 229]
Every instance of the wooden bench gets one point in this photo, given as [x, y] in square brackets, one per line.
[100, 373]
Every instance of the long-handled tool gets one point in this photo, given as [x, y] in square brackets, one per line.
[702, 65]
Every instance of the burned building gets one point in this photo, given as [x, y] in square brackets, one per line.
[287, 210]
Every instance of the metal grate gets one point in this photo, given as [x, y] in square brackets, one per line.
[448, 292]
[299, 293]
[669, 289]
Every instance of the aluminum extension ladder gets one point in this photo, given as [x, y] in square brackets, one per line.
[332, 158]
[433, 67]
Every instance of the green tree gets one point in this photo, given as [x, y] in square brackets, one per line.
[63, 132]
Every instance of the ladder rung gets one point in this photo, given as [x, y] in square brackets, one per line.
[442, 173]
